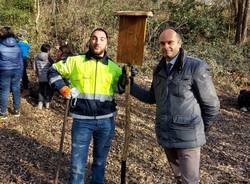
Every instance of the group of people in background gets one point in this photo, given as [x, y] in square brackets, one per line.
[14, 60]
[182, 89]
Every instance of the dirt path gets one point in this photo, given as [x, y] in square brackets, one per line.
[29, 144]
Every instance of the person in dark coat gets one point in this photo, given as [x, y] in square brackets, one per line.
[186, 105]
[244, 100]
[11, 66]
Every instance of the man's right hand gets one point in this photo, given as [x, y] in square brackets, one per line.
[65, 91]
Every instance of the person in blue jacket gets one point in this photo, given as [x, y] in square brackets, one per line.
[11, 67]
[25, 48]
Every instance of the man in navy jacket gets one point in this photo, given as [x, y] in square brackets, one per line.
[186, 106]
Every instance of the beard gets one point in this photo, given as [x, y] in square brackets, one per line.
[97, 51]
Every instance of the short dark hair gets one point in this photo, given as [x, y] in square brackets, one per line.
[99, 29]
[45, 47]
[6, 32]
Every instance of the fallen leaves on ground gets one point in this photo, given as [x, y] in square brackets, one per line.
[29, 146]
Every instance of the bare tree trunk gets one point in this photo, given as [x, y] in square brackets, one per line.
[37, 8]
[53, 7]
[235, 9]
[244, 23]
[239, 22]
[232, 17]
[54, 17]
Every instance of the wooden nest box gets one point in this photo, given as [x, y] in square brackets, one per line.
[131, 38]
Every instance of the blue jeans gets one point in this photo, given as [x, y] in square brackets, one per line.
[102, 131]
[9, 80]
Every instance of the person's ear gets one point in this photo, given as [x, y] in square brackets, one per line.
[180, 42]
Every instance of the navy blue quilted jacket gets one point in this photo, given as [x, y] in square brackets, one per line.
[10, 55]
[186, 102]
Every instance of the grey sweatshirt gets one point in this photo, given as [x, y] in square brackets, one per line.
[41, 66]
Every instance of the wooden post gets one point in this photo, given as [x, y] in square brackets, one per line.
[131, 40]
[59, 157]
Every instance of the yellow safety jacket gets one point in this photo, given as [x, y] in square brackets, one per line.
[95, 79]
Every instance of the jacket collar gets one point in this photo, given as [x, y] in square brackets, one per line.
[103, 59]
[161, 68]
[180, 60]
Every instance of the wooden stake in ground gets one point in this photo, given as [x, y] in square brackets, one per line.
[58, 165]
[131, 39]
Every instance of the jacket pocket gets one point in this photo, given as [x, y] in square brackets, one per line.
[185, 85]
[184, 128]
[173, 87]
[186, 121]
[82, 80]
[180, 87]
[106, 81]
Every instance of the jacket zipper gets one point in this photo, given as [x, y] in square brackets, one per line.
[95, 86]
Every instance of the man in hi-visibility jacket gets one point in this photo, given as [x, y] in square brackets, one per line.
[94, 78]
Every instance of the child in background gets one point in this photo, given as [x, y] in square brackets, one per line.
[41, 65]
[25, 47]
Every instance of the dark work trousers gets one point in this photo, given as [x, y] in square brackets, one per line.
[45, 92]
[25, 80]
[185, 164]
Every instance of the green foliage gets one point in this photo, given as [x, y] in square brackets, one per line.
[20, 4]
[196, 21]
[229, 63]
[205, 29]
[16, 12]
